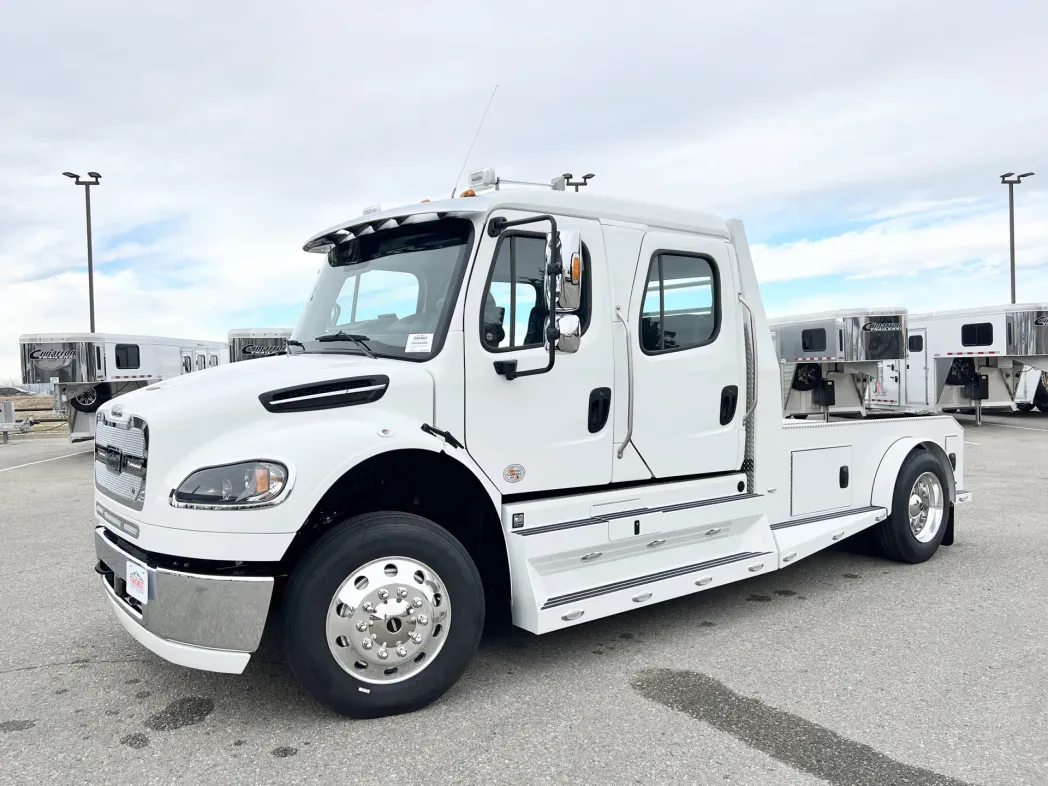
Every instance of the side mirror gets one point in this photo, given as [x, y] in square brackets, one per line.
[569, 282]
[570, 328]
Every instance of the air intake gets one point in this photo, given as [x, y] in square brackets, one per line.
[326, 395]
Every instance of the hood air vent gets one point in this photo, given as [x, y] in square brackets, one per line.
[326, 395]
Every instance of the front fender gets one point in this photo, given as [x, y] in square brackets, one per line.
[891, 462]
[317, 453]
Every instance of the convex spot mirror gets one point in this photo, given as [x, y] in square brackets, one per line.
[569, 281]
[569, 327]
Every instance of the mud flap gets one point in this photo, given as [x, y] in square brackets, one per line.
[947, 538]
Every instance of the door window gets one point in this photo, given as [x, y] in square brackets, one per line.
[680, 304]
[187, 364]
[514, 315]
[212, 361]
[813, 340]
[916, 343]
[200, 361]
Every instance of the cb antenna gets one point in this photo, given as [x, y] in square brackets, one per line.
[480, 126]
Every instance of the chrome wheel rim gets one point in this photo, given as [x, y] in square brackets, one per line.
[88, 397]
[926, 507]
[388, 620]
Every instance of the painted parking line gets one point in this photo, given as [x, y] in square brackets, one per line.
[44, 461]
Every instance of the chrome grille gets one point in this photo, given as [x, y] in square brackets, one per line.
[121, 455]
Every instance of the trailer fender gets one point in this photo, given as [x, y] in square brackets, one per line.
[888, 471]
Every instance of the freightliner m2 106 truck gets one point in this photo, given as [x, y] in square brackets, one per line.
[555, 404]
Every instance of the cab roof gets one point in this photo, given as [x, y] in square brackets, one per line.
[560, 203]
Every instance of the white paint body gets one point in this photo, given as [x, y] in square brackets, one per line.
[597, 523]
[91, 359]
[1008, 345]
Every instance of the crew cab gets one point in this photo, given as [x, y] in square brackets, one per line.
[556, 405]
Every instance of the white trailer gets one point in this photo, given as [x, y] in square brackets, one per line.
[830, 360]
[87, 369]
[248, 343]
[559, 405]
[967, 359]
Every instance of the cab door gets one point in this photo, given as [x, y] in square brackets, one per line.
[550, 430]
[689, 364]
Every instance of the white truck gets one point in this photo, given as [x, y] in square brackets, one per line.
[86, 370]
[830, 360]
[967, 359]
[249, 343]
[559, 405]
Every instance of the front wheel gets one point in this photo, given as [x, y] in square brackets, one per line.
[920, 507]
[382, 615]
[1024, 407]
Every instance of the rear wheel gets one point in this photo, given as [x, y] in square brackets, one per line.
[920, 507]
[1024, 407]
[368, 626]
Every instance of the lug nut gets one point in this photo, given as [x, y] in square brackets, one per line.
[416, 637]
[382, 654]
[366, 644]
[368, 607]
[423, 619]
[383, 594]
[417, 603]
[402, 593]
[402, 652]
[362, 626]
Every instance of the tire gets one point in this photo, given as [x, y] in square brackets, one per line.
[1024, 407]
[799, 417]
[806, 377]
[337, 561]
[91, 399]
[894, 538]
[1043, 407]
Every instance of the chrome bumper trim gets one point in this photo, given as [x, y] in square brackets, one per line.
[215, 612]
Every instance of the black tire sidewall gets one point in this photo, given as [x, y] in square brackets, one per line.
[313, 583]
[101, 397]
[908, 547]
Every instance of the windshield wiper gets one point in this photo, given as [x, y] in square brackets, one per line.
[343, 336]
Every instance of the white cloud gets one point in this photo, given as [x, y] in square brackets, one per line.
[249, 128]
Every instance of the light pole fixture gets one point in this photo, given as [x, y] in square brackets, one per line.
[1011, 180]
[95, 177]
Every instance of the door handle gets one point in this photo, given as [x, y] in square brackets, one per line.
[729, 400]
[599, 408]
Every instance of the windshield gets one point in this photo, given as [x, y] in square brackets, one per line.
[389, 292]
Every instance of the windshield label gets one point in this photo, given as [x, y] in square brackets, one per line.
[419, 342]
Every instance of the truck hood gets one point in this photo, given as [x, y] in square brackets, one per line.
[225, 398]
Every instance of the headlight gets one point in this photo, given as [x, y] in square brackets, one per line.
[249, 484]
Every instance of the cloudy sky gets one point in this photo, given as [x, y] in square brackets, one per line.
[861, 142]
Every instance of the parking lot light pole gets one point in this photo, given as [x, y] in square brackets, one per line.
[95, 177]
[1011, 180]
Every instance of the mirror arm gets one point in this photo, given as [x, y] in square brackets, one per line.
[508, 368]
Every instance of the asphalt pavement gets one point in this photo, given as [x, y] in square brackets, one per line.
[844, 669]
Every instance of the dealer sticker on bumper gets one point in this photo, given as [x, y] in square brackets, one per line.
[138, 582]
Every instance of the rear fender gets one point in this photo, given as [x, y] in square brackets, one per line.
[888, 471]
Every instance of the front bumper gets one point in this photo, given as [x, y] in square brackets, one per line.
[205, 622]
